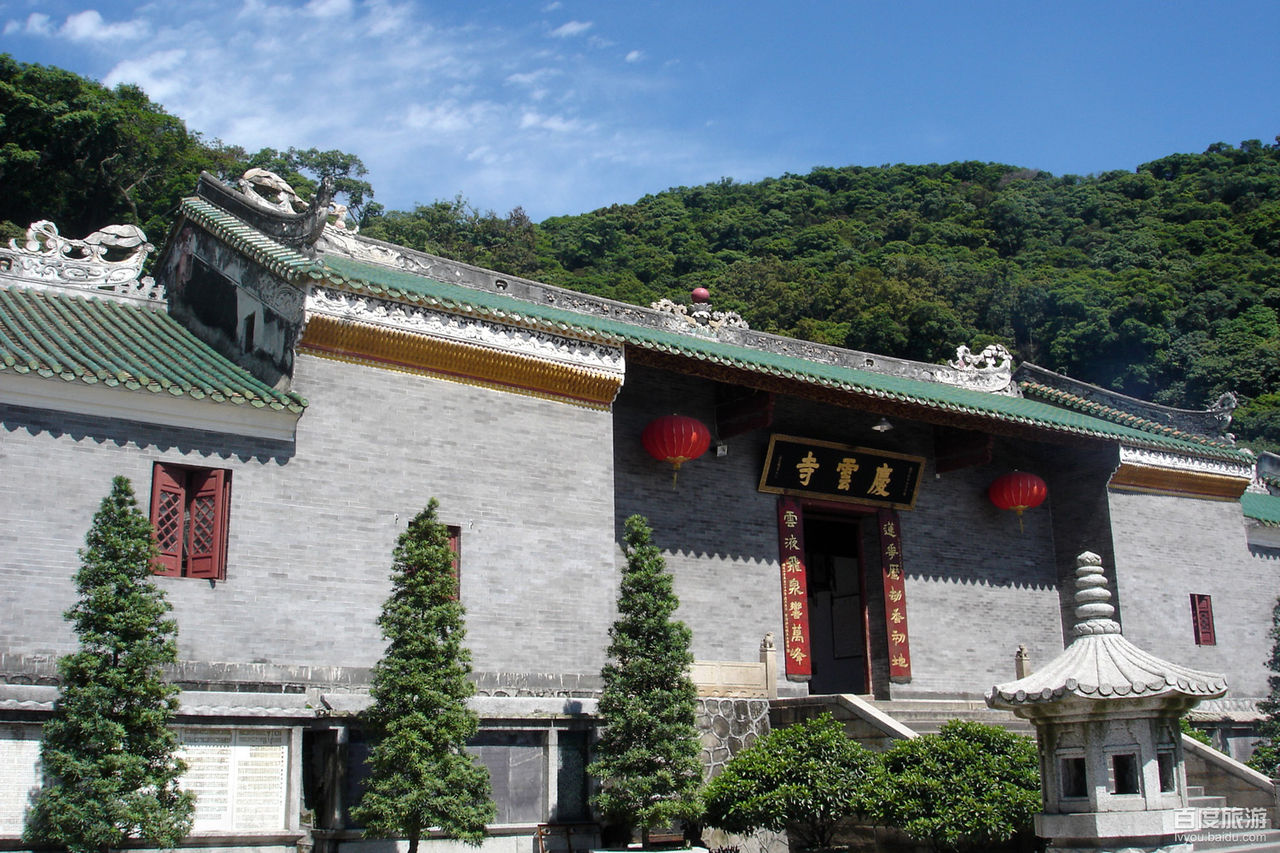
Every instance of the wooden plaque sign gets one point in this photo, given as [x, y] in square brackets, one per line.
[806, 467]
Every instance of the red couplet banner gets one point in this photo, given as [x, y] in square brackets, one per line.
[895, 595]
[795, 592]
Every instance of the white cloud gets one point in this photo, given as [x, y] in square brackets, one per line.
[532, 78]
[89, 25]
[635, 56]
[556, 124]
[153, 73]
[449, 117]
[36, 24]
[434, 103]
[573, 28]
[551, 7]
[329, 8]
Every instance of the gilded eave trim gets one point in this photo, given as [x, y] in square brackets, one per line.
[1167, 481]
[378, 346]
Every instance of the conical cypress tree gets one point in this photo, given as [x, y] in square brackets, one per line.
[421, 779]
[1266, 753]
[647, 757]
[108, 752]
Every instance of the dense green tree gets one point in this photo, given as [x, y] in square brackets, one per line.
[305, 169]
[456, 230]
[647, 756]
[107, 752]
[1162, 282]
[84, 156]
[967, 788]
[804, 780]
[421, 777]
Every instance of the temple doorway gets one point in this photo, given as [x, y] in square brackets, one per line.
[837, 603]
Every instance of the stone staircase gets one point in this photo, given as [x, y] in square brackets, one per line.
[877, 723]
[926, 716]
[1228, 840]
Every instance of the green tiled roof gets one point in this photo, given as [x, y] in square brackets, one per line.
[1099, 410]
[108, 342]
[404, 286]
[283, 261]
[1264, 508]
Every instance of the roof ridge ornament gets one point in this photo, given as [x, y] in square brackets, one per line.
[701, 318]
[271, 191]
[107, 263]
[266, 202]
[1094, 610]
[990, 370]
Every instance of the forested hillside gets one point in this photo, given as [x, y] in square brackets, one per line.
[1163, 282]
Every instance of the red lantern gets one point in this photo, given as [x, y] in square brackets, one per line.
[1018, 491]
[676, 439]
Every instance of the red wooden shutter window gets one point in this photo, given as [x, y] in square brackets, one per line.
[168, 510]
[1202, 620]
[189, 508]
[206, 523]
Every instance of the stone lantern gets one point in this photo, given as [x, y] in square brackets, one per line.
[1106, 717]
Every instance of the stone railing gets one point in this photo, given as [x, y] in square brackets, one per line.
[733, 679]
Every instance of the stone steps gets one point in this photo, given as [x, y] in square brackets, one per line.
[1238, 841]
[928, 715]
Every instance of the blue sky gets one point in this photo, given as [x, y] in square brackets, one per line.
[563, 107]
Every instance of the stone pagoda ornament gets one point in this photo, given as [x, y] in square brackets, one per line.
[1106, 718]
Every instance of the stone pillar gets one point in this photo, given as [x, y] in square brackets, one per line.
[769, 657]
[1021, 662]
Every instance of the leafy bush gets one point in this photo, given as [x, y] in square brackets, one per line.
[804, 779]
[1184, 725]
[968, 787]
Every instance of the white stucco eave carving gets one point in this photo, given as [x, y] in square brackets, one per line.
[489, 334]
[1167, 460]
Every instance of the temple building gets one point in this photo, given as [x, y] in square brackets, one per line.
[286, 394]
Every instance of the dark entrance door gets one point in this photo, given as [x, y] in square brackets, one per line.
[837, 604]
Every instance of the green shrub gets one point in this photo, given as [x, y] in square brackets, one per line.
[804, 779]
[969, 787]
[1184, 725]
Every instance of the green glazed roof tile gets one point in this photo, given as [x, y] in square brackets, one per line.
[121, 345]
[404, 286]
[1264, 508]
[283, 261]
[1099, 410]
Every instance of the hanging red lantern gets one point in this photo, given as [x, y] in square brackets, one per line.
[676, 439]
[1017, 491]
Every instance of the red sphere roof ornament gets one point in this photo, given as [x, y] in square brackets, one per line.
[676, 439]
[700, 294]
[1018, 491]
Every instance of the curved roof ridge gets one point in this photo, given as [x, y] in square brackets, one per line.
[1117, 416]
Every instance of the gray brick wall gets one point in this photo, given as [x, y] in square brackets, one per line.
[1167, 548]
[540, 490]
[968, 565]
[529, 481]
